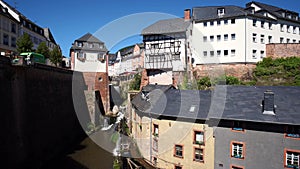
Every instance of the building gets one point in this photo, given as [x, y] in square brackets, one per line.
[89, 55]
[234, 127]
[132, 59]
[259, 128]
[237, 35]
[14, 24]
[167, 50]
[169, 127]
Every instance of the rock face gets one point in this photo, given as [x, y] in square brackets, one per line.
[241, 71]
[283, 50]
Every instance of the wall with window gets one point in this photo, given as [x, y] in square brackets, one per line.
[253, 145]
[8, 34]
[191, 147]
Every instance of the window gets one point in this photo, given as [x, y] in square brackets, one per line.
[288, 28]
[232, 21]
[178, 167]
[237, 150]
[204, 53]
[218, 53]
[262, 54]
[226, 37]
[155, 46]
[281, 27]
[212, 53]
[262, 24]
[233, 36]
[204, 38]
[281, 40]
[218, 37]
[292, 159]
[262, 39]
[198, 137]
[205, 24]
[254, 38]
[294, 30]
[293, 132]
[81, 56]
[178, 151]
[91, 45]
[270, 25]
[211, 38]
[294, 41]
[155, 145]
[13, 42]
[225, 52]
[233, 52]
[5, 39]
[198, 155]
[288, 40]
[13, 28]
[155, 161]
[218, 22]
[221, 11]
[254, 54]
[155, 129]
[211, 23]
[270, 39]
[254, 22]
[226, 22]
[79, 44]
[236, 167]
[237, 126]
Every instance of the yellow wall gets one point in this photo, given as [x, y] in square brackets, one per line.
[173, 132]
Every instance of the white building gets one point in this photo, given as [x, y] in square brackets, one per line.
[232, 34]
[166, 49]
[88, 54]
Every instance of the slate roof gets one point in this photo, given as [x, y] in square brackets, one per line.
[242, 103]
[89, 38]
[167, 26]
[210, 12]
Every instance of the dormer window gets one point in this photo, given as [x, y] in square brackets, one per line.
[221, 11]
[79, 44]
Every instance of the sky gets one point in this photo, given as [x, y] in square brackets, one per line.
[118, 23]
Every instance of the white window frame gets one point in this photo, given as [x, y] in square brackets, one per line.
[239, 149]
[294, 156]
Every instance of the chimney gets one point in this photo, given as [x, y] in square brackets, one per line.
[268, 103]
[187, 14]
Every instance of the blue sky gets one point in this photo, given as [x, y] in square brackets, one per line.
[69, 20]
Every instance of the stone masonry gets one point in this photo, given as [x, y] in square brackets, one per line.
[280, 50]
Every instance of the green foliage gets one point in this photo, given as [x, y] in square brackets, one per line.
[43, 49]
[281, 71]
[188, 84]
[206, 82]
[24, 43]
[136, 82]
[117, 164]
[55, 56]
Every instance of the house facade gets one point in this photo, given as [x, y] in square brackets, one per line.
[14, 25]
[232, 34]
[259, 128]
[167, 50]
[236, 127]
[170, 136]
[89, 55]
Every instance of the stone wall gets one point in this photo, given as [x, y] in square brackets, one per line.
[38, 114]
[239, 70]
[282, 50]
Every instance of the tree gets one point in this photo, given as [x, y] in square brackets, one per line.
[43, 49]
[55, 56]
[24, 43]
[136, 82]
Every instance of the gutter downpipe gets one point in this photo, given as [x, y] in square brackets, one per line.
[245, 38]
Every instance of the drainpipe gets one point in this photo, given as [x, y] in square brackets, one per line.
[245, 39]
[150, 138]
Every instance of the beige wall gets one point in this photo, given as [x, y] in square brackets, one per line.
[170, 133]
